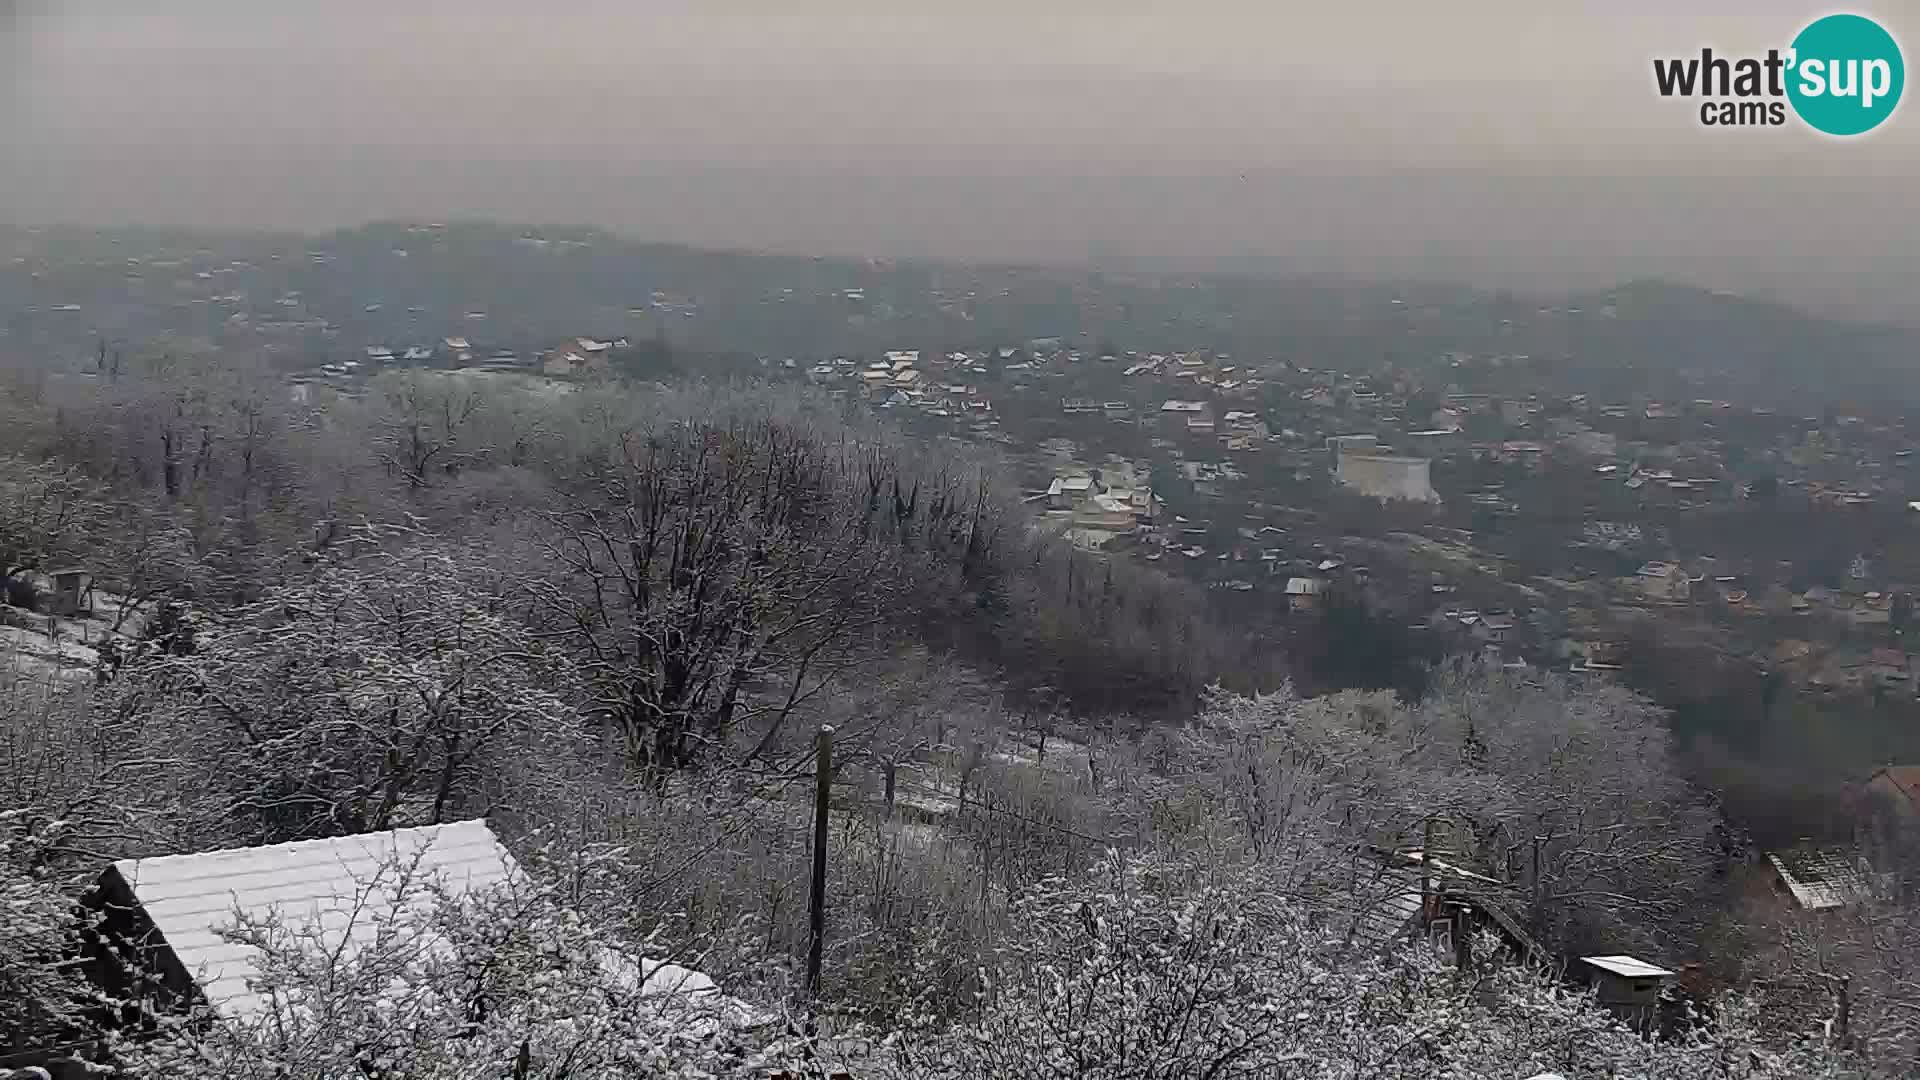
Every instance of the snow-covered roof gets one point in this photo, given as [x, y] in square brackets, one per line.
[1821, 878]
[307, 883]
[318, 883]
[1626, 967]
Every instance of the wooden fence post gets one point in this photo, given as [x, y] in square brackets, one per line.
[817, 895]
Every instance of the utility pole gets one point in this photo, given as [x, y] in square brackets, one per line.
[817, 895]
[1843, 1009]
[1428, 909]
[1533, 886]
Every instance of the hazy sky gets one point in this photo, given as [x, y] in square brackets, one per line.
[1495, 139]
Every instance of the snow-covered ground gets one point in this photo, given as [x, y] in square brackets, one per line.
[66, 649]
[33, 654]
[1064, 756]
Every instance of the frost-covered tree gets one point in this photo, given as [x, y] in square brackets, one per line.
[1164, 971]
[1568, 793]
[1860, 964]
[377, 691]
[42, 998]
[1586, 806]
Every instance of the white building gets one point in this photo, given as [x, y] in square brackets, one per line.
[1386, 476]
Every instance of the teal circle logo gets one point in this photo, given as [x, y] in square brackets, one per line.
[1846, 75]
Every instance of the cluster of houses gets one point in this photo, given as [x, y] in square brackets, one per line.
[1094, 506]
[938, 385]
[572, 358]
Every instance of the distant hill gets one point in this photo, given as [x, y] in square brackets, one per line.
[1755, 347]
[390, 282]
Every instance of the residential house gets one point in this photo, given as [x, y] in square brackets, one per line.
[1108, 511]
[1340, 443]
[1664, 582]
[1496, 629]
[1107, 501]
[1304, 594]
[1069, 492]
[1242, 422]
[564, 364]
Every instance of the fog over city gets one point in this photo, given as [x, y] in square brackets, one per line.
[1502, 142]
[637, 539]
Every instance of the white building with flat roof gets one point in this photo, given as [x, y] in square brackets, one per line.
[1386, 476]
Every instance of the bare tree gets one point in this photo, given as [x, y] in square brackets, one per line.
[715, 580]
[1861, 962]
[46, 512]
[424, 426]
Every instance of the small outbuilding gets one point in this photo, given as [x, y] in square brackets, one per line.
[1627, 988]
[161, 917]
[72, 592]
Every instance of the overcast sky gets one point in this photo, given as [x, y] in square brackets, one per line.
[1500, 140]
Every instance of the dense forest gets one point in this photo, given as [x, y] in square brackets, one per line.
[1080, 825]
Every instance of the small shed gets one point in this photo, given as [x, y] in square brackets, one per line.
[161, 916]
[72, 592]
[1627, 988]
[160, 942]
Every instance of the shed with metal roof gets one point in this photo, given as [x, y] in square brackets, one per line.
[164, 916]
